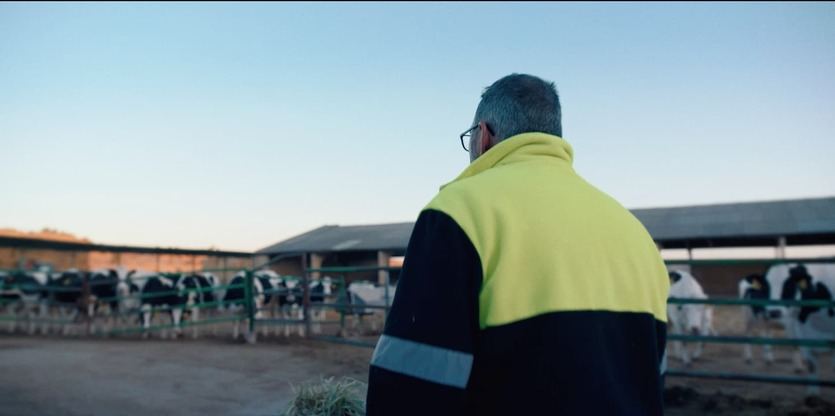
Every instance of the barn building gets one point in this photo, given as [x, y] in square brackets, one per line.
[768, 224]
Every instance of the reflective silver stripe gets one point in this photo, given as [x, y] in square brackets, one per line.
[423, 361]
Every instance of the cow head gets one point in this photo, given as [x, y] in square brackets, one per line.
[755, 286]
[294, 290]
[674, 277]
[798, 281]
[758, 283]
[189, 288]
[123, 289]
[801, 285]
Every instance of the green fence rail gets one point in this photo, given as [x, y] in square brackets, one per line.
[795, 342]
[752, 261]
[753, 302]
[761, 378]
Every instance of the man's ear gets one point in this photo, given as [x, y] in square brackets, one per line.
[485, 137]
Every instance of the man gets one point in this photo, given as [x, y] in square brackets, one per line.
[525, 290]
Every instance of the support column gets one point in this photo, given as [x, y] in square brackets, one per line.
[383, 261]
[781, 248]
[689, 267]
[316, 263]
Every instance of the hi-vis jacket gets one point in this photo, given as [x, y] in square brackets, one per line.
[525, 290]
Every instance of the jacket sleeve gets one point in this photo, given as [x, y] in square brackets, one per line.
[423, 360]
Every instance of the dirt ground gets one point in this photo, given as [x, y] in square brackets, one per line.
[53, 375]
[77, 376]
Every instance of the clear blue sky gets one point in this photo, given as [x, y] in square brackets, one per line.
[238, 125]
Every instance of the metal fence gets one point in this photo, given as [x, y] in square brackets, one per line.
[718, 339]
[336, 310]
[347, 307]
[750, 340]
[39, 304]
[793, 342]
[39, 308]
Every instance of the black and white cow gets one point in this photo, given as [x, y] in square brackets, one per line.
[321, 289]
[274, 291]
[66, 297]
[208, 282]
[174, 292]
[688, 318]
[129, 292]
[776, 276]
[205, 287]
[321, 292]
[758, 319]
[291, 302]
[810, 282]
[235, 301]
[362, 293]
[104, 285]
[21, 295]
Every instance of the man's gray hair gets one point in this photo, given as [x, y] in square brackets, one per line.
[520, 103]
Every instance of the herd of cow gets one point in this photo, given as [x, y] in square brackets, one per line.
[113, 297]
[815, 281]
[46, 301]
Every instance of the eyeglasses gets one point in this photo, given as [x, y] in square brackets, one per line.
[469, 133]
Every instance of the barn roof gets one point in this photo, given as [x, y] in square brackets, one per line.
[328, 238]
[39, 243]
[801, 221]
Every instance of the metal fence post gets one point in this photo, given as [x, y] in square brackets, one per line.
[306, 300]
[249, 296]
[87, 301]
[343, 309]
[388, 304]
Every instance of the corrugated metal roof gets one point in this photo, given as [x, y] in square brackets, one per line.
[808, 221]
[747, 219]
[330, 238]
